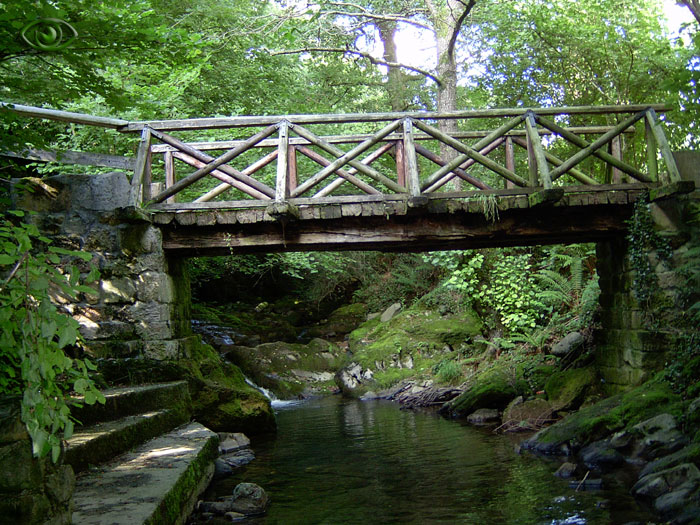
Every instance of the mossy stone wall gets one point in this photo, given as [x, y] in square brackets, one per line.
[32, 491]
[636, 335]
[141, 304]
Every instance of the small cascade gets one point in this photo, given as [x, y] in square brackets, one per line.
[264, 391]
[275, 402]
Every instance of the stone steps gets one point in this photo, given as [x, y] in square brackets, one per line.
[131, 400]
[139, 459]
[100, 442]
[156, 483]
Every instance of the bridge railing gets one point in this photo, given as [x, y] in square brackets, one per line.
[283, 158]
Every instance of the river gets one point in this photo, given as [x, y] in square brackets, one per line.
[337, 461]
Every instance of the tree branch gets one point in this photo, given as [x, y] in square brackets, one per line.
[372, 16]
[458, 25]
[363, 54]
[694, 6]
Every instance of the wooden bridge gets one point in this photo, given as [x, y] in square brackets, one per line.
[387, 180]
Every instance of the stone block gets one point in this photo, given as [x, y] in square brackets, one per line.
[155, 286]
[119, 290]
[147, 312]
[617, 376]
[162, 350]
[26, 509]
[60, 484]
[109, 330]
[154, 261]
[114, 349]
[100, 239]
[11, 427]
[20, 470]
[136, 239]
[158, 330]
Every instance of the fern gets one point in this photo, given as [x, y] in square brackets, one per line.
[557, 289]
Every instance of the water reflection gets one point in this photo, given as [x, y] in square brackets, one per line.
[340, 462]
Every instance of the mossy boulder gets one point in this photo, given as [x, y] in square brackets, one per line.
[411, 343]
[341, 321]
[566, 390]
[599, 420]
[422, 331]
[537, 376]
[533, 410]
[287, 369]
[493, 387]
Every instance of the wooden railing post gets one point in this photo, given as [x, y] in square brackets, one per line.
[169, 167]
[531, 163]
[142, 160]
[400, 163]
[410, 160]
[538, 153]
[614, 175]
[292, 180]
[653, 125]
[510, 160]
[282, 188]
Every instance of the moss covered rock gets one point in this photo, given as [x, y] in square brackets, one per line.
[493, 387]
[341, 321]
[597, 421]
[531, 411]
[288, 368]
[411, 343]
[566, 390]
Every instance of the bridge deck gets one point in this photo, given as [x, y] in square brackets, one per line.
[522, 216]
[388, 180]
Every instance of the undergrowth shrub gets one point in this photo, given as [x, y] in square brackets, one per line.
[35, 335]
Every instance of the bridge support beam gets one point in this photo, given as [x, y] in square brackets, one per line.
[644, 297]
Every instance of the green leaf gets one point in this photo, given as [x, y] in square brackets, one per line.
[68, 336]
[90, 397]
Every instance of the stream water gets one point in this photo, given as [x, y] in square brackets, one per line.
[335, 461]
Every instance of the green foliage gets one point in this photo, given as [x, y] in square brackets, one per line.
[448, 371]
[689, 272]
[36, 335]
[497, 282]
[683, 368]
[643, 238]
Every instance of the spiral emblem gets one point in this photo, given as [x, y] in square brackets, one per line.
[49, 34]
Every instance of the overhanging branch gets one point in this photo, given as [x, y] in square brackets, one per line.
[363, 54]
[458, 25]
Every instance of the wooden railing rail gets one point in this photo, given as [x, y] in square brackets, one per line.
[401, 138]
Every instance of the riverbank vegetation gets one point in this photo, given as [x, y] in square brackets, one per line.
[484, 328]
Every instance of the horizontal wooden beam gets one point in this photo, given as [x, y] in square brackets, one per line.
[65, 116]
[351, 139]
[204, 236]
[248, 121]
[74, 157]
[179, 207]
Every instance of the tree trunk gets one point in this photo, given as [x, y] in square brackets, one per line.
[396, 85]
[447, 19]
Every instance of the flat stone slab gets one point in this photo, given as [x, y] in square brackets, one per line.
[156, 483]
[131, 400]
[98, 443]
